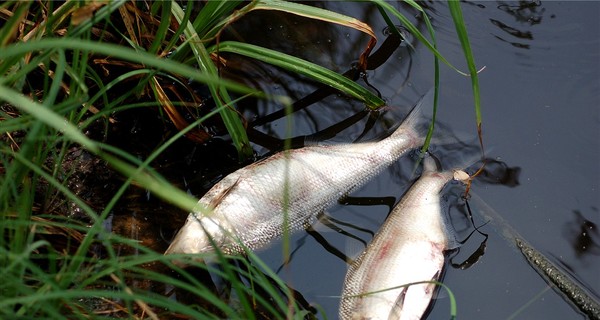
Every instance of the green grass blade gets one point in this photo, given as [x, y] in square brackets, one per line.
[230, 117]
[59, 72]
[163, 27]
[413, 29]
[153, 183]
[10, 27]
[210, 19]
[310, 12]
[452, 298]
[102, 13]
[314, 13]
[303, 67]
[461, 31]
[126, 54]
[55, 183]
[46, 115]
[436, 65]
[436, 84]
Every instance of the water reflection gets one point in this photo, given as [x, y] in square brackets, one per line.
[525, 13]
[270, 141]
[513, 32]
[583, 235]
[473, 241]
[530, 12]
[498, 172]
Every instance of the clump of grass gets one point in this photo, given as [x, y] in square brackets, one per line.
[63, 67]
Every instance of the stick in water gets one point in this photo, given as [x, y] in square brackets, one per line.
[553, 275]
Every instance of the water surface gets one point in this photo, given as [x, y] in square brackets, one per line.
[540, 99]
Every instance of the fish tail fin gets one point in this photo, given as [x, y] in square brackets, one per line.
[416, 123]
[430, 164]
[459, 156]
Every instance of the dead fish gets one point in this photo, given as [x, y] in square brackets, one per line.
[252, 206]
[408, 248]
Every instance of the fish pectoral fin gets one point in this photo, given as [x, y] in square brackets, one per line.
[398, 305]
[432, 285]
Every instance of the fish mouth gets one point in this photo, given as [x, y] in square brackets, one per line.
[193, 237]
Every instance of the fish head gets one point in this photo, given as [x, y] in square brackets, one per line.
[198, 235]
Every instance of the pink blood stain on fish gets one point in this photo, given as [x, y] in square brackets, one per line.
[384, 250]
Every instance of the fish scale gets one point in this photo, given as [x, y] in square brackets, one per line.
[250, 206]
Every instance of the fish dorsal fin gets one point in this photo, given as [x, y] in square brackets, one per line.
[218, 192]
[219, 197]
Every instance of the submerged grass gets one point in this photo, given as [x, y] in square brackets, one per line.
[63, 67]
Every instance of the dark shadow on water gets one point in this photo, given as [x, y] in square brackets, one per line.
[526, 14]
[583, 235]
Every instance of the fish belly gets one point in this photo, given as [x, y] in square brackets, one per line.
[377, 271]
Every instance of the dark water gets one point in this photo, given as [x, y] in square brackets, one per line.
[540, 98]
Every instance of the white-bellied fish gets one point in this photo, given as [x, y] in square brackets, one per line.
[409, 247]
[252, 205]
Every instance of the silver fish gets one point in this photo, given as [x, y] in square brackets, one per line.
[408, 248]
[254, 204]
